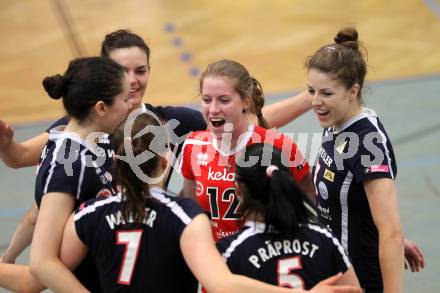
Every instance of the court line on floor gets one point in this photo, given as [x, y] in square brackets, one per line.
[62, 11]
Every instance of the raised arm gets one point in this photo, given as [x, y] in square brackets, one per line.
[20, 154]
[280, 113]
[382, 198]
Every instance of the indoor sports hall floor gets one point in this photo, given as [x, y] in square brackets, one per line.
[272, 41]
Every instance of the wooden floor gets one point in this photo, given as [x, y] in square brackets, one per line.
[271, 38]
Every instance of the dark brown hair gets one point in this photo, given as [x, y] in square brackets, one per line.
[121, 39]
[134, 190]
[343, 59]
[86, 81]
[276, 197]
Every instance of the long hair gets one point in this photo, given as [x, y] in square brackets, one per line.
[134, 190]
[272, 193]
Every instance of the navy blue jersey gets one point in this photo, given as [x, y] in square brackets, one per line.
[298, 261]
[139, 257]
[359, 151]
[69, 166]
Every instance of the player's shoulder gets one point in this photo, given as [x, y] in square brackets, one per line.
[200, 138]
[224, 243]
[245, 237]
[97, 205]
[315, 230]
[272, 136]
[183, 208]
[201, 135]
[367, 122]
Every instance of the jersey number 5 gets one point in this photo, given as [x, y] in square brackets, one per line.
[131, 240]
[227, 196]
[285, 276]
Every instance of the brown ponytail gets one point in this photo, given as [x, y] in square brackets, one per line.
[134, 190]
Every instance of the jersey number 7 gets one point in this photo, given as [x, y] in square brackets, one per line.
[131, 240]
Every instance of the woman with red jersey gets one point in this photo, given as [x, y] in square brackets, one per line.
[231, 99]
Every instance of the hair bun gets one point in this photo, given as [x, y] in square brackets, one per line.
[347, 36]
[55, 86]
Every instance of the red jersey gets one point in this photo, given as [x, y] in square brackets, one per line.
[213, 170]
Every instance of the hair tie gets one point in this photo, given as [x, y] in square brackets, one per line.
[270, 169]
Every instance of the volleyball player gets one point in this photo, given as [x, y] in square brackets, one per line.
[229, 96]
[354, 176]
[145, 240]
[281, 243]
[73, 168]
[130, 51]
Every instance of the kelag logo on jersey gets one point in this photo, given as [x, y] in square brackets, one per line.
[220, 176]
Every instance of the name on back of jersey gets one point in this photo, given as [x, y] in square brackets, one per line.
[116, 219]
[285, 247]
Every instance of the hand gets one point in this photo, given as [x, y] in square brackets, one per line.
[329, 286]
[5, 259]
[413, 256]
[6, 134]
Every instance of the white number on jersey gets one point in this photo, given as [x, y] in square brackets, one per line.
[132, 241]
[285, 276]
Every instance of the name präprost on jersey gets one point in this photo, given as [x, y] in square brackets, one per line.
[276, 248]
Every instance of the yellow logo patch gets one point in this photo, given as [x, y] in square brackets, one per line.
[329, 175]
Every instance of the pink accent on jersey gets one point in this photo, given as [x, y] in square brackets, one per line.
[379, 168]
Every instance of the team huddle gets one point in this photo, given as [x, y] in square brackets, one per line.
[252, 215]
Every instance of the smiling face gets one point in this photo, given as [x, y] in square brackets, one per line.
[135, 62]
[118, 111]
[332, 102]
[222, 104]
